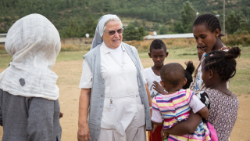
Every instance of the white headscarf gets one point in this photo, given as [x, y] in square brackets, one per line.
[34, 43]
[100, 28]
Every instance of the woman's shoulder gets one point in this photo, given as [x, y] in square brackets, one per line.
[216, 95]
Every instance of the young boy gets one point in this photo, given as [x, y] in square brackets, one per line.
[158, 53]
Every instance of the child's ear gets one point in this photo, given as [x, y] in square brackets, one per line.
[149, 54]
[217, 32]
[184, 82]
[166, 54]
[162, 84]
[211, 74]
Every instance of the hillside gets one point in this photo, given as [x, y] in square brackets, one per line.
[61, 11]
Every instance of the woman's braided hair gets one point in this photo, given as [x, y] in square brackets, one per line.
[211, 21]
[222, 62]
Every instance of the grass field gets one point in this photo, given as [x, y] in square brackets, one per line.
[68, 68]
[239, 82]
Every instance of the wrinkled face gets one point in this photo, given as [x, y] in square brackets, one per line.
[204, 37]
[158, 56]
[112, 41]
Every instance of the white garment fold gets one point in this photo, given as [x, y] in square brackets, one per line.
[34, 43]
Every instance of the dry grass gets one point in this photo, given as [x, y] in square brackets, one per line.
[64, 47]
[140, 45]
[69, 66]
[71, 47]
[67, 47]
[82, 45]
[237, 39]
[2, 49]
[170, 43]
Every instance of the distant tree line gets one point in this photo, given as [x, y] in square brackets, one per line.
[75, 18]
[238, 21]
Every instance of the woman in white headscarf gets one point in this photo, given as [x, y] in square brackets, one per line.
[28, 91]
[114, 103]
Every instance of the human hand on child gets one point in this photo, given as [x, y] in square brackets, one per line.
[154, 127]
[224, 48]
[164, 134]
[158, 87]
[61, 115]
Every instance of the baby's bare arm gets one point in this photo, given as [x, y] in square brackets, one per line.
[204, 112]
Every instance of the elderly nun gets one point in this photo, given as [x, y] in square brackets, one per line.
[114, 99]
[28, 91]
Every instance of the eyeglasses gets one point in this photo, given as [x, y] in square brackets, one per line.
[112, 32]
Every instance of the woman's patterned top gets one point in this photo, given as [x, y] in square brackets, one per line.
[222, 112]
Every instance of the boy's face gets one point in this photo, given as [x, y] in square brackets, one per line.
[158, 56]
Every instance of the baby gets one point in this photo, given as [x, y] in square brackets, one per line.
[176, 105]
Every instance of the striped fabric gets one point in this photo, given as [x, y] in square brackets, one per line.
[175, 108]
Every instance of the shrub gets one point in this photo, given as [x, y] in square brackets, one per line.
[237, 39]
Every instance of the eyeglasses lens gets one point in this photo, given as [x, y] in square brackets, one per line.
[112, 32]
[119, 31]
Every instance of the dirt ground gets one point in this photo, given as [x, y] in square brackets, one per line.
[69, 76]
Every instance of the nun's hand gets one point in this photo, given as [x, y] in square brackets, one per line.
[83, 133]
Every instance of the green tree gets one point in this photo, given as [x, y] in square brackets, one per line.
[233, 22]
[178, 28]
[133, 33]
[142, 32]
[143, 23]
[163, 30]
[72, 29]
[245, 24]
[156, 26]
[136, 23]
[187, 17]
[89, 27]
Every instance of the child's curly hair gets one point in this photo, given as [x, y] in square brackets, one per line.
[222, 62]
[188, 74]
[157, 44]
